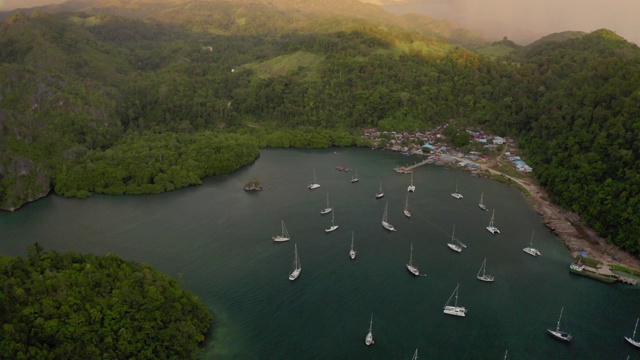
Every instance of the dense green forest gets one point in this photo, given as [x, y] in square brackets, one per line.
[95, 102]
[76, 306]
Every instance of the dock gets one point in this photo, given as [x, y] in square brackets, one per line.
[409, 169]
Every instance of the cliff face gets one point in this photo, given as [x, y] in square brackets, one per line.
[22, 181]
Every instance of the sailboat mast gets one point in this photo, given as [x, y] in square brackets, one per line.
[560, 318]
[634, 329]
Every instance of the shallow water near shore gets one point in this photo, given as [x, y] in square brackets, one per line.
[215, 239]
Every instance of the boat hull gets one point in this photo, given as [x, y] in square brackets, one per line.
[413, 270]
[455, 311]
[454, 247]
[352, 255]
[294, 275]
[560, 335]
[407, 213]
[280, 238]
[325, 211]
[632, 341]
[379, 196]
[493, 230]
[457, 195]
[331, 228]
[313, 186]
[486, 278]
[589, 274]
[411, 188]
[388, 226]
[532, 251]
[369, 339]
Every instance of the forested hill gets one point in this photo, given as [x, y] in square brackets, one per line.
[95, 102]
[74, 306]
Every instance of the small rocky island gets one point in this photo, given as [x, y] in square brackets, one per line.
[253, 185]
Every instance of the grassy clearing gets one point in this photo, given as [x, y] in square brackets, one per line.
[591, 262]
[624, 269]
[285, 64]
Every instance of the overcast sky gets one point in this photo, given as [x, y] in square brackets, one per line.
[523, 21]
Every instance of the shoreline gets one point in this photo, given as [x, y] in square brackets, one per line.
[577, 237]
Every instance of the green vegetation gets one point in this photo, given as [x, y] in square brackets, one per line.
[624, 269]
[74, 306]
[591, 262]
[100, 103]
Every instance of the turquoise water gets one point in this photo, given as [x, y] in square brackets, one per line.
[216, 240]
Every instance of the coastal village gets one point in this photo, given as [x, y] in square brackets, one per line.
[434, 145]
[484, 154]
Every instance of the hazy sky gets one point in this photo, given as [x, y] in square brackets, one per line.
[527, 20]
[521, 20]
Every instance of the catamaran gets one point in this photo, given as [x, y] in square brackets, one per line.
[632, 340]
[456, 194]
[455, 309]
[491, 228]
[562, 335]
[369, 338]
[481, 205]
[530, 249]
[411, 187]
[333, 226]
[379, 194]
[406, 211]
[314, 184]
[355, 178]
[352, 252]
[297, 267]
[385, 223]
[412, 269]
[328, 208]
[282, 237]
[452, 245]
[484, 277]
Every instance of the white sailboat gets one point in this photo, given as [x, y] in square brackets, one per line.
[284, 236]
[562, 335]
[297, 267]
[333, 226]
[530, 249]
[406, 211]
[482, 205]
[481, 273]
[327, 209]
[415, 355]
[369, 338]
[352, 252]
[455, 309]
[314, 184]
[379, 194]
[491, 228]
[632, 340]
[355, 178]
[412, 269]
[453, 246]
[456, 194]
[385, 223]
[411, 187]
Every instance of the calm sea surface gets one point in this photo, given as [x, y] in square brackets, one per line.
[216, 240]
